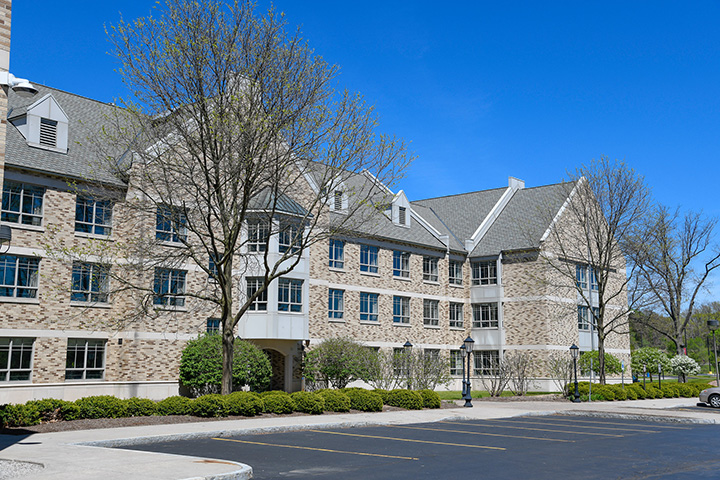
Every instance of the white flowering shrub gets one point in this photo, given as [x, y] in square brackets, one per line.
[684, 365]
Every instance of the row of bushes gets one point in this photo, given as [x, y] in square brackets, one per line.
[246, 404]
[635, 391]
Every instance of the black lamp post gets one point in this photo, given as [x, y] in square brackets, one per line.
[407, 349]
[713, 325]
[574, 351]
[468, 344]
[462, 360]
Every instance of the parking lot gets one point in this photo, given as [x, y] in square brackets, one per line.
[540, 447]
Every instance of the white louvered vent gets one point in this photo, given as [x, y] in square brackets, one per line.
[338, 200]
[402, 216]
[48, 132]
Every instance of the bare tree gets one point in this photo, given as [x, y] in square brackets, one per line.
[235, 134]
[605, 201]
[675, 256]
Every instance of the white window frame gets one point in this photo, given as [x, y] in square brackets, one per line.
[93, 216]
[485, 315]
[170, 224]
[581, 277]
[401, 310]
[24, 275]
[456, 362]
[89, 354]
[583, 315]
[30, 201]
[258, 234]
[289, 237]
[430, 269]
[484, 272]
[455, 272]
[486, 362]
[431, 313]
[252, 285]
[369, 307]
[593, 280]
[90, 283]
[336, 254]
[456, 315]
[369, 259]
[18, 351]
[336, 304]
[169, 288]
[401, 264]
[290, 295]
[212, 325]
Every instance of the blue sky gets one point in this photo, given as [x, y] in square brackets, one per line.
[483, 90]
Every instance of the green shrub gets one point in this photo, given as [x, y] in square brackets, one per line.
[308, 402]
[430, 398]
[637, 390]
[364, 400]
[201, 365]
[272, 392]
[211, 405]
[595, 398]
[405, 399]
[383, 393]
[69, 411]
[19, 415]
[336, 362]
[699, 387]
[670, 391]
[176, 405]
[631, 393]
[653, 392]
[605, 391]
[247, 404]
[140, 407]
[101, 406]
[50, 409]
[335, 401]
[619, 391]
[278, 402]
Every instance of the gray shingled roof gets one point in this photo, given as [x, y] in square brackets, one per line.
[266, 199]
[86, 118]
[463, 213]
[523, 221]
[429, 215]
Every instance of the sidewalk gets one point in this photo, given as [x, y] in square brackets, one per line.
[79, 454]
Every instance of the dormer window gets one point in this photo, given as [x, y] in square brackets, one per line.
[339, 201]
[402, 215]
[48, 132]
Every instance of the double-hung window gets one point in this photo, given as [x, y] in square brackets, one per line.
[368, 307]
[368, 259]
[487, 362]
[170, 224]
[169, 287]
[16, 359]
[18, 276]
[484, 273]
[85, 359]
[583, 318]
[456, 315]
[336, 301]
[337, 253]
[581, 276]
[90, 283]
[93, 216]
[401, 309]
[212, 326]
[289, 238]
[258, 233]
[431, 316]
[455, 272]
[485, 315]
[290, 295]
[401, 264]
[22, 203]
[456, 362]
[430, 269]
[260, 303]
[593, 279]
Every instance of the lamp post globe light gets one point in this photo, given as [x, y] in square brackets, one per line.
[713, 325]
[468, 348]
[407, 350]
[574, 351]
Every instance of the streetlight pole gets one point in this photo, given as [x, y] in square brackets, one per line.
[468, 344]
[713, 325]
[574, 350]
[407, 350]
[462, 360]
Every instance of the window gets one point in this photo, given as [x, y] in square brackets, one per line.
[401, 309]
[212, 326]
[15, 359]
[484, 273]
[456, 315]
[93, 216]
[580, 276]
[258, 233]
[169, 287]
[85, 359]
[485, 315]
[593, 280]
[289, 237]
[368, 259]
[401, 264]
[18, 276]
[335, 303]
[486, 362]
[290, 295]
[455, 273]
[90, 283]
[253, 285]
[170, 224]
[583, 320]
[48, 132]
[456, 362]
[337, 253]
[22, 203]
[430, 269]
[430, 313]
[212, 268]
[368, 307]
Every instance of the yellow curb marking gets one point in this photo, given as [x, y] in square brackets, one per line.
[567, 432]
[407, 440]
[574, 425]
[315, 449]
[483, 433]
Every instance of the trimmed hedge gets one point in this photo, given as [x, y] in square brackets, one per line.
[213, 405]
[278, 402]
[430, 398]
[101, 406]
[364, 400]
[308, 402]
[405, 399]
[176, 405]
[246, 404]
[335, 401]
[140, 407]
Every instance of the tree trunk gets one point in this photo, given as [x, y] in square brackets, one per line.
[601, 359]
[227, 358]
